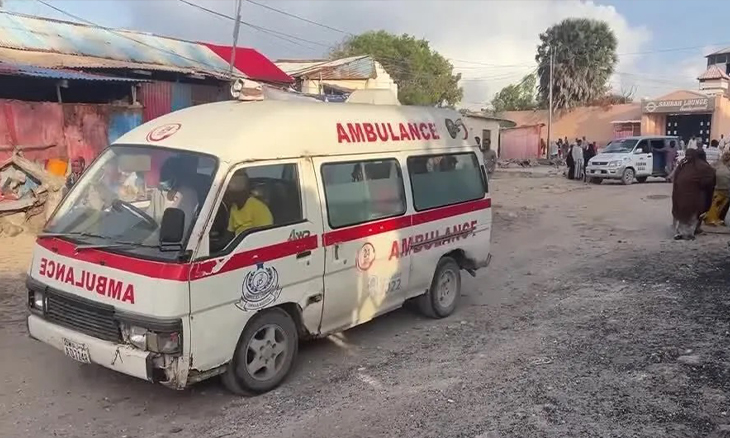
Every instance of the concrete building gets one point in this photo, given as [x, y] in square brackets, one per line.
[486, 127]
[335, 80]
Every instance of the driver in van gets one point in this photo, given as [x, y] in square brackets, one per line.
[173, 191]
[246, 211]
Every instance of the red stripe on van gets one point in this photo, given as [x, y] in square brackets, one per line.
[148, 268]
[252, 257]
[183, 271]
[178, 271]
[399, 223]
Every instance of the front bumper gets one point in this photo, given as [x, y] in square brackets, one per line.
[605, 172]
[118, 357]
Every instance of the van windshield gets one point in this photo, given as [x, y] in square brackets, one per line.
[620, 146]
[119, 202]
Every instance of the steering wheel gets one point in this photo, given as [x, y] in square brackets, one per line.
[120, 205]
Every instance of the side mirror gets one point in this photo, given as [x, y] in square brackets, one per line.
[172, 227]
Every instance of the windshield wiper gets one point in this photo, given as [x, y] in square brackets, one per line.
[112, 244]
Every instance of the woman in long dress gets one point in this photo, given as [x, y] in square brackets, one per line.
[694, 182]
[570, 162]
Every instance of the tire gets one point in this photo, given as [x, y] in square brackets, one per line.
[273, 338]
[641, 179]
[442, 299]
[596, 180]
[628, 176]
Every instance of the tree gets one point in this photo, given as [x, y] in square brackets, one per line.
[516, 97]
[585, 57]
[424, 77]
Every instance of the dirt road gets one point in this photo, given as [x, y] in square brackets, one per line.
[591, 321]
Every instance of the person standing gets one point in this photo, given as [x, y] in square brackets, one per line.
[578, 159]
[570, 162]
[692, 144]
[713, 152]
[671, 157]
[490, 157]
[721, 195]
[723, 143]
[589, 153]
[78, 165]
[694, 182]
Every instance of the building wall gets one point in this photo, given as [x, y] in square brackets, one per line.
[44, 130]
[477, 125]
[653, 124]
[721, 118]
[160, 98]
[592, 122]
[520, 143]
[382, 81]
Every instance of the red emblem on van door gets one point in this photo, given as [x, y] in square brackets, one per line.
[365, 257]
[162, 132]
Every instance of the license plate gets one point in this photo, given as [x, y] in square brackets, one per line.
[76, 351]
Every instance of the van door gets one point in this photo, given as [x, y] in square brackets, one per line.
[642, 158]
[365, 215]
[270, 264]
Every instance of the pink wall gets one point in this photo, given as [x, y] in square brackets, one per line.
[520, 143]
[46, 130]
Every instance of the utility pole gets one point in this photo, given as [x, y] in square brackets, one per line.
[236, 28]
[550, 103]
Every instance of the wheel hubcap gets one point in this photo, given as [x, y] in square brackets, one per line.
[446, 290]
[266, 352]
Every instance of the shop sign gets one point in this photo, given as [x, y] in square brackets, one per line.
[699, 104]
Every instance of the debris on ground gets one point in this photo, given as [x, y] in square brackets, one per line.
[518, 162]
[28, 194]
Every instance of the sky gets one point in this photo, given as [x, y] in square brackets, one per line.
[492, 43]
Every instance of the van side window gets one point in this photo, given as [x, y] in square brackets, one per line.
[362, 191]
[643, 147]
[441, 180]
[256, 198]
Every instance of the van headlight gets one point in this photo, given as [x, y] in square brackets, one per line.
[614, 163]
[156, 341]
[37, 301]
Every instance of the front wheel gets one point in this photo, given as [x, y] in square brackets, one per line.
[264, 355]
[628, 176]
[641, 179]
[445, 291]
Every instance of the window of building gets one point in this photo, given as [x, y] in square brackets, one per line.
[256, 198]
[441, 180]
[362, 191]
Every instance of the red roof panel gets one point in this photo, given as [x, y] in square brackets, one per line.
[253, 64]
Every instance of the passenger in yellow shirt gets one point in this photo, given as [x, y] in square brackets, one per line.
[246, 210]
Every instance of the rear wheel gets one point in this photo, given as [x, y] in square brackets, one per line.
[264, 355]
[445, 291]
[628, 176]
[641, 179]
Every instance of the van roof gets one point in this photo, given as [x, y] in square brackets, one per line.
[237, 131]
[642, 137]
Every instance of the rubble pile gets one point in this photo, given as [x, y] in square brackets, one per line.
[28, 195]
[518, 163]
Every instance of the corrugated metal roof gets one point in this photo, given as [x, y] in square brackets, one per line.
[132, 49]
[714, 72]
[719, 52]
[354, 67]
[7, 69]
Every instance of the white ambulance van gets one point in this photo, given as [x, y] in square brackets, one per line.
[211, 240]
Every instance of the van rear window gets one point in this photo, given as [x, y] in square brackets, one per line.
[357, 192]
[441, 180]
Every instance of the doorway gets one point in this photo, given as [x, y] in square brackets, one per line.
[686, 125]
